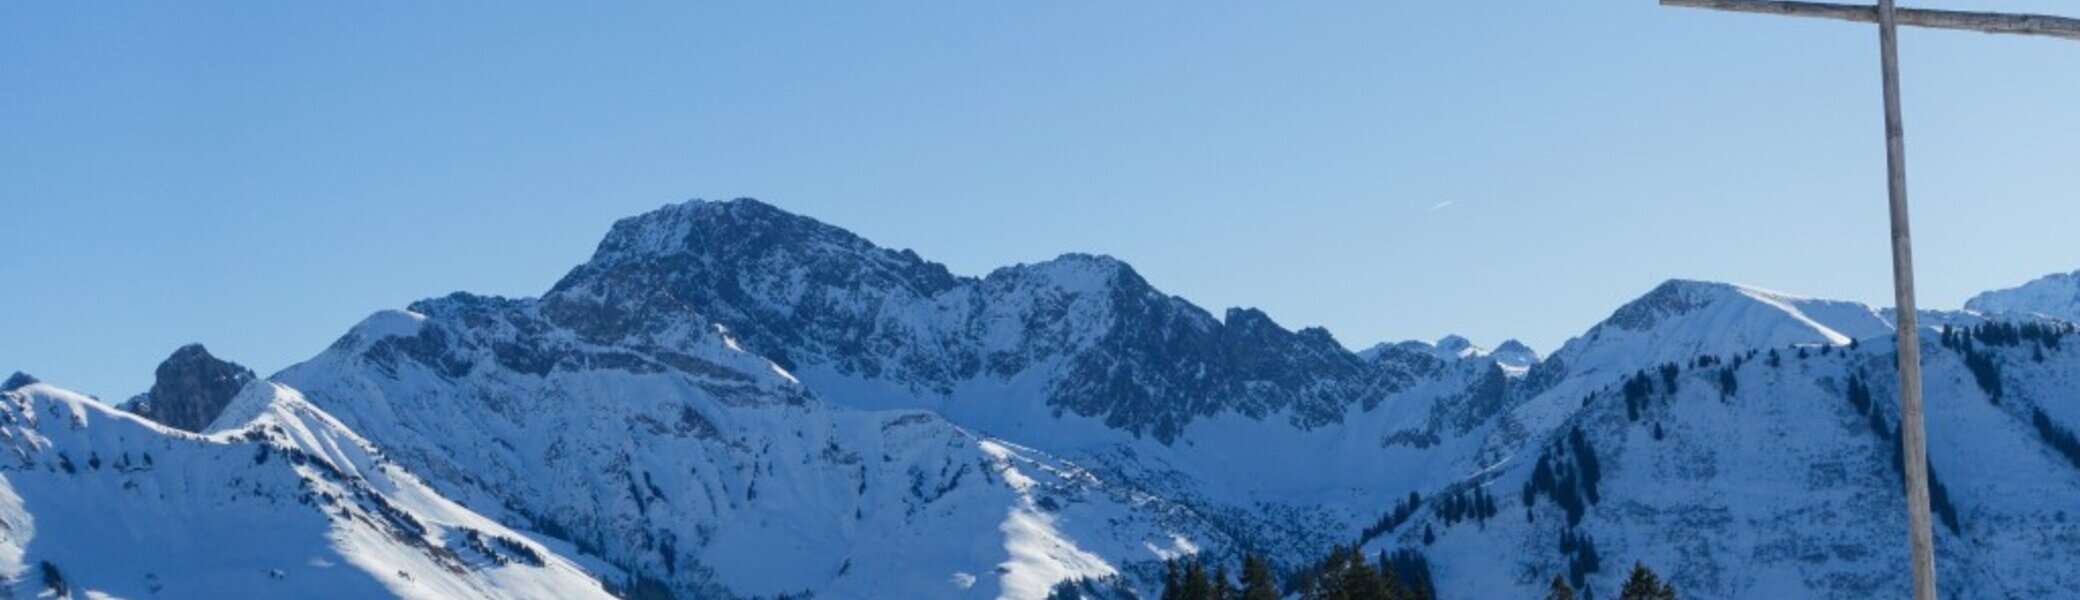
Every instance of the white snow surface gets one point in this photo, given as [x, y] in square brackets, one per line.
[1784, 489]
[2056, 296]
[733, 482]
[289, 505]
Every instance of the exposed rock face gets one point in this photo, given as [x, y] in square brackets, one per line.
[812, 296]
[17, 381]
[1515, 353]
[191, 390]
[649, 409]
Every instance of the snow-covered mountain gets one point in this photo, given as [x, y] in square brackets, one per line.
[725, 382]
[1773, 472]
[828, 305]
[731, 401]
[2056, 295]
[281, 502]
[710, 472]
[1681, 319]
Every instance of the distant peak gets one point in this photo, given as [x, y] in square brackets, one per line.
[1246, 317]
[1077, 262]
[18, 381]
[191, 388]
[2056, 295]
[740, 237]
[1513, 353]
[1692, 287]
[695, 224]
[744, 208]
[1682, 319]
[191, 352]
[1075, 271]
[1103, 261]
[1318, 335]
[733, 204]
[1672, 298]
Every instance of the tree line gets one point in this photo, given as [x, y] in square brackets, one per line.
[1346, 574]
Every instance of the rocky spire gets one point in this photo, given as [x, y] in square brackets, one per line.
[192, 389]
[18, 381]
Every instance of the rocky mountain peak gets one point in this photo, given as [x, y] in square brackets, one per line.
[1672, 298]
[1075, 272]
[191, 389]
[740, 263]
[745, 233]
[686, 226]
[1242, 319]
[1513, 353]
[18, 381]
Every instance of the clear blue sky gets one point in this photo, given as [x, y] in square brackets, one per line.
[258, 176]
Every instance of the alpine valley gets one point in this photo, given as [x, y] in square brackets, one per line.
[731, 401]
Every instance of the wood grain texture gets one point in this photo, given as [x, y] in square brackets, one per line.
[2018, 24]
[1913, 437]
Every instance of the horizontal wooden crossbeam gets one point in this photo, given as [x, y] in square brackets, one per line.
[2020, 24]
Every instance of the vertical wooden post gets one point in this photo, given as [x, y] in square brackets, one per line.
[1912, 438]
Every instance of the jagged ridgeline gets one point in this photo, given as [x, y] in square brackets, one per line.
[731, 401]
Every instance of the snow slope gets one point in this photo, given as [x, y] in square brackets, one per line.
[288, 504]
[1784, 486]
[2056, 296]
[710, 472]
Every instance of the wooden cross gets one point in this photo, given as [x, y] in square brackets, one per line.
[1912, 434]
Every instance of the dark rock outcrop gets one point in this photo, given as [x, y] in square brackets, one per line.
[18, 381]
[191, 390]
[810, 295]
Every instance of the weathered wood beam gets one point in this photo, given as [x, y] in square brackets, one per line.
[2020, 24]
[1912, 438]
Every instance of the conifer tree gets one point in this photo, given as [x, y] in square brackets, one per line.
[1409, 573]
[1327, 583]
[1645, 585]
[1173, 582]
[1391, 586]
[1362, 582]
[1066, 590]
[1257, 581]
[1559, 590]
[1196, 585]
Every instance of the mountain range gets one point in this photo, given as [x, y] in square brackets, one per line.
[732, 401]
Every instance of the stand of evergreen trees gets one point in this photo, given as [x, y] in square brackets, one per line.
[2059, 438]
[1403, 509]
[1642, 585]
[1345, 575]
[1568, 474]
[1938, 494]
[1474, 505]
[1580, 552]
[1976, 343]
